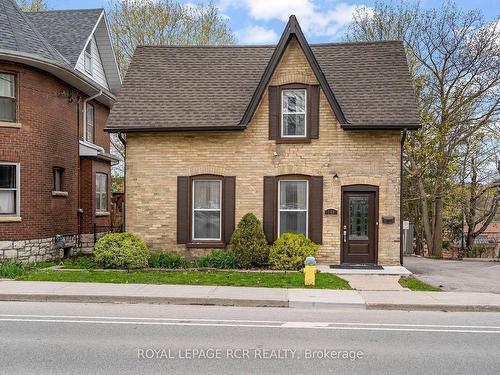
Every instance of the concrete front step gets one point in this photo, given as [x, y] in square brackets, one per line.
[387, 270]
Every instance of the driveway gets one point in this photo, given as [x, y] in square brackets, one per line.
[458, 276]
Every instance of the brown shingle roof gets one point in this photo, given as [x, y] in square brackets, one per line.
[171, 88]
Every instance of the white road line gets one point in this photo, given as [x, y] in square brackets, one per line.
[208, 324]
[141, 318]
[251, 321]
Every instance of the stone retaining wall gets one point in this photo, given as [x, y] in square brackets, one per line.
[37, 250]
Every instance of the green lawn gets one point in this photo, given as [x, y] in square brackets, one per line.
[229, 278]
[417, 285]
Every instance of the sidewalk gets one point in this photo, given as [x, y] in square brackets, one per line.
[243, 296]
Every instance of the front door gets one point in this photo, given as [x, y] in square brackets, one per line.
[359, 224]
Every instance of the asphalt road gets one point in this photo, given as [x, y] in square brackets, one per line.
[456, 276]
[61, 338]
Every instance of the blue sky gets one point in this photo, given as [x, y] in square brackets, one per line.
[262, 21]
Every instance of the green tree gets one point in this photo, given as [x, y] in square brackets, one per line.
[164, 22]
[248, 243]
[454, 60]
[32, 5]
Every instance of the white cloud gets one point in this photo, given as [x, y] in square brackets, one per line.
[325, 20]
[257, 35]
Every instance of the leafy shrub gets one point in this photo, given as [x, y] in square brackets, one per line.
[11, 268]
[217, 259]
[476, 251]
[290, 250]
[248, 243]
[121, 250]
[167, 260]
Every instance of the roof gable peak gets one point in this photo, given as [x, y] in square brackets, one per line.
[292, 29]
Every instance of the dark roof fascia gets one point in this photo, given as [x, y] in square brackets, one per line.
[380, 127]
[178, 129]
[292, 29]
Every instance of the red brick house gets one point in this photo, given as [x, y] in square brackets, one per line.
[58, 80]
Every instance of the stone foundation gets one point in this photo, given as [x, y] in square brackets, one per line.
[43, 249]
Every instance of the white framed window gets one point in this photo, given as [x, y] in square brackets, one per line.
[10, 195]
[57, 178]
[101, 192]
[293, 202]
[87, 62]
[7, 97]
[206, 210]
[89, 122]
[293, 113]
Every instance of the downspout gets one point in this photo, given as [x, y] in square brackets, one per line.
[85, 101]
[124, 142]
[78, 174]
[403, 139]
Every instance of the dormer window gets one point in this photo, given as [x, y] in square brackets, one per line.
[293, 113]
[88, 57]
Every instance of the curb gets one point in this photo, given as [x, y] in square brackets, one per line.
[243, 303]
[145, 299]
[434, 307]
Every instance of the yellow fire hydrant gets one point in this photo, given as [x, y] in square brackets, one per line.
[310, 271]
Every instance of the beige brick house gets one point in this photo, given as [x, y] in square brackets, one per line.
[307, 137]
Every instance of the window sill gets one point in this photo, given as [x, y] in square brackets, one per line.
[293, 140]
[206, 244]
[56, 193]
[8, 124]
[10, 219]
[104, 213]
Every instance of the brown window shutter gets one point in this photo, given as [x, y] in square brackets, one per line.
[269, 207]
[316, 210]
[182, 209]
[274, 111]
[228, 206]
[313, 111]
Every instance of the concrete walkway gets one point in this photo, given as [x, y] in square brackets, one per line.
[242, 296]
[374, 282]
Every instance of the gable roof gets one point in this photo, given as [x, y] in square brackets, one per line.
[292, 29]
[172, 88]
[18, 34]
[23, 42]
[67, 30]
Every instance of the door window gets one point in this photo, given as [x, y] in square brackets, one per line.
[358, 218]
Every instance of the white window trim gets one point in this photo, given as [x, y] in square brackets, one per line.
[306, 210]
[13, 123]
[17, 213]
[85, 123]
[89, 55]
[283, 113]
[100, 210]
[193, 238]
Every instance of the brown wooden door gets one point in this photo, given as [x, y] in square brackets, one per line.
[359, 226]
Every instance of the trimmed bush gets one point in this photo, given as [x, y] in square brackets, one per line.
[249, 244]
[11, 269]
[167, 260]
[217, 259]
[121, 250]
[290, 250]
